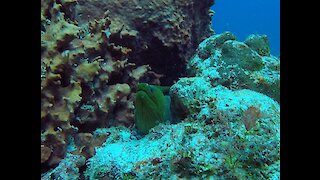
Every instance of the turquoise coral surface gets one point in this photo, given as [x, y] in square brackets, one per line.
[211, 142]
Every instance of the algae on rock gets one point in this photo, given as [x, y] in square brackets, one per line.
[223, 60]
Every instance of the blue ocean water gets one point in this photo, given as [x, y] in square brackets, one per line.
[247, 17]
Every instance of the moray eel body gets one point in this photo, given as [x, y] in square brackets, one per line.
[150, 106]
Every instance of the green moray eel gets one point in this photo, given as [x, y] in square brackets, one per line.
[164, 89]
[150, 106]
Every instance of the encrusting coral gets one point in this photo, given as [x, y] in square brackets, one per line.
[223, 60]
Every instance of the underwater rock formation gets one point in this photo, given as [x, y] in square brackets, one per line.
[197, 98]
[93, 54]
[232, 135]
[223, 60]
[219, 131]
[161, 33]
[221, 121]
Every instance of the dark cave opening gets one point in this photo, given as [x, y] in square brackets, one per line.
[162, 60]
[45, 167]
[151, 51]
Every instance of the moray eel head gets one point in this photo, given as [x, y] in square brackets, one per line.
[149, 107]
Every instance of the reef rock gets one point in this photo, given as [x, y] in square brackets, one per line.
[197, 98]
[223, 60]
[68, 168]
[161, 33]
[232, 135]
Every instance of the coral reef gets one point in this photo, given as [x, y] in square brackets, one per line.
[211, 142]
[199, 99]
[159, 32]
[68, 168]
[86, 81]
[109, 109]
[236, 65]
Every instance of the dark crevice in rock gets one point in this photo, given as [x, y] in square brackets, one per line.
[162, 60]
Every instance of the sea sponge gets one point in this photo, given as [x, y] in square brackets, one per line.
[149, 107]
